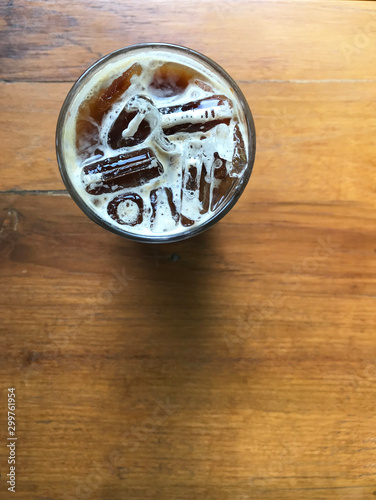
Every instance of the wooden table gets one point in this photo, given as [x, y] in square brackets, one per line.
[240, 364]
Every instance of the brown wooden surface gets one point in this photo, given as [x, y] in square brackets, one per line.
[258, 335]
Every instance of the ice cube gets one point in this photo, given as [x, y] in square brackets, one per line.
[163, 208]
[223, 183]
[93, 109]
[196, 116]
[122, 171]
[204, 189]
[239, 160]
[126, 209]
[190, 192]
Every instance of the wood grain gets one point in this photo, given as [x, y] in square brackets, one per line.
[265, 358]
[239, 365]
[314, 141]
[253, 40]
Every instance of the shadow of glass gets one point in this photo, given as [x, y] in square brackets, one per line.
[177, 373]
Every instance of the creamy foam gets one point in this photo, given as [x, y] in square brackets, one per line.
[187, 158]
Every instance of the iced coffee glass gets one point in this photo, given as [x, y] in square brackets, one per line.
[155, 142]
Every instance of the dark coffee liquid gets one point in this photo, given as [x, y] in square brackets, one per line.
[170, 79]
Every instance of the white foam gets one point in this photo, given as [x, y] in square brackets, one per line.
[128, 211]
[176, 153]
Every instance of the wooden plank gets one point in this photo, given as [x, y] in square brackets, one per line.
[313, 140]
[239, 365]
[28, 118]
[253, 40]
[243, 368]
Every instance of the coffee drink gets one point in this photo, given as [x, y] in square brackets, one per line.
[155, 142]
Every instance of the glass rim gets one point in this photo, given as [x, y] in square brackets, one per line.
[190, 232]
